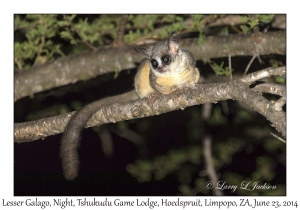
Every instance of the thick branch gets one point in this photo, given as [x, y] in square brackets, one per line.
[238, 45]
[84, 66]
[71, 69]
[158, 104]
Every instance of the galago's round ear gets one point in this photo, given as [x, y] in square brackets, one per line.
[143, 50]
[173, 43]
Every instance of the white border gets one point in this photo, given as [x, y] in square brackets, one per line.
[55, 6]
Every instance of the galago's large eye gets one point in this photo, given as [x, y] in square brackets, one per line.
[154, 63]
[166, 59]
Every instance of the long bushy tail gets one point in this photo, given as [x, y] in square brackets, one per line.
[71, 137]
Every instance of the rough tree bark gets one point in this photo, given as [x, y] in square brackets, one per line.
[205, 93]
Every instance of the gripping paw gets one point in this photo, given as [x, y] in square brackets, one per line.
[153, 96]
[193, 87]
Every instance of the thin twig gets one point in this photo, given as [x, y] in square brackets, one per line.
[277, 137]
[249, 64]
[259, 59]
[209, 164]
[206, 111]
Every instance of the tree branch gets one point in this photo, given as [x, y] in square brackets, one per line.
[272, 88]
[209, 164]
[87, 65]
[205, 93]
